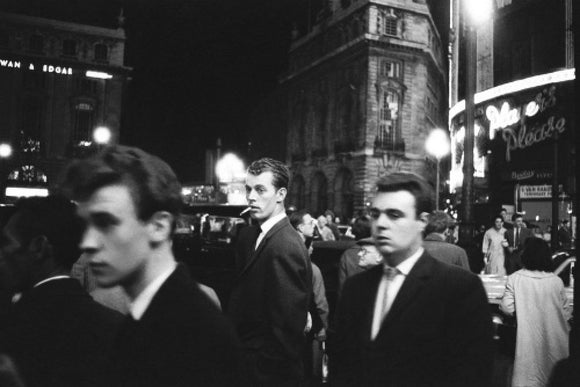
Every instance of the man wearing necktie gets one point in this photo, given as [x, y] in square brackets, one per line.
[516, 239]
[270, 299]
[413, 321]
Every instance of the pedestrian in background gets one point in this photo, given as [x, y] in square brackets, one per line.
[270, 300]
[325, 232]
[537, 298]
[350, 258]
[435, 243]
[493, 248]
[516, 237]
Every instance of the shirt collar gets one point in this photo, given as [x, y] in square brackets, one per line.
[56, 277]
[406, 266]
[267, 225]
[140, 304]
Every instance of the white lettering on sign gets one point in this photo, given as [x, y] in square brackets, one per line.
[535, 191]
[9, 63]
[506, 116]
[521, 138]
[45, 68]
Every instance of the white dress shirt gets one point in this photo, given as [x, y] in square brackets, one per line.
[393, 289]
[140, 304]
[267, 226]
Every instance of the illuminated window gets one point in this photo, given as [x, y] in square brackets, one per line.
[69, 47]
[36, 43]
[390, 69]
[83, 122]
[101, 52]
[388, 133]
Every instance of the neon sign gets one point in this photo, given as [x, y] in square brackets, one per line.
[523, 136]
[45, 68]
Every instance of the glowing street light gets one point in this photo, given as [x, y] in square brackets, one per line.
[230, 169]
[437, 144]
[5, 150]
[102, 135]
[478, 11]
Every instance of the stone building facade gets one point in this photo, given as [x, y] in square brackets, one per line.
[364, 88]
[58, 82]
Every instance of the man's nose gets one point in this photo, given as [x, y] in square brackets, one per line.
[89, 241]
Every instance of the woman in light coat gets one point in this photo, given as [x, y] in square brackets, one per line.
[537, 297]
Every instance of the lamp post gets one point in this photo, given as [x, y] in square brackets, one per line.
[5, 153]
[437, 144]
[230, 171]
[476, 12]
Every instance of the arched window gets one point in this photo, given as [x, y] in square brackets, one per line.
[297, 197]
[83, 120]
[344, 194]
[318, 194]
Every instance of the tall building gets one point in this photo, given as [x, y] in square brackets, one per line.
[364, 87]
[524, 110]
[59, 81]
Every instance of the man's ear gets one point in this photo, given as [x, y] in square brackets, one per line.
[424, 219]
[160, 225]
[281, 194]
[40, 248]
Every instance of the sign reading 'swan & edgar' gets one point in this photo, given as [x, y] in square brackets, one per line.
[30, 66]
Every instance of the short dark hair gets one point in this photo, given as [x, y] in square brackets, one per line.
[279, 170]
[537, 255]
[55, 218]
[497, 217]
[439, 221]
[297, 218]
[516, 216]
[412, 183]
[151, 181]
[361, 228]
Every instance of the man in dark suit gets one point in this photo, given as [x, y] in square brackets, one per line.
[413, 321]
[54, 331]
[174, 335]
[269, 302]
[435, 244]
[516, 238]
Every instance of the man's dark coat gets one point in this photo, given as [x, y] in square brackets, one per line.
[58, 336]
[182, 339]
[269, 303]
[438, 331]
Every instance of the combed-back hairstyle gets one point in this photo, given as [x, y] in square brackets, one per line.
[297, 218]
[438, 222]
[53, 217]
[412, 183]
[151, 181]
[280, 171]
[537, 255]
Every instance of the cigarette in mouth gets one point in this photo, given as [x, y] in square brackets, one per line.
[246, 210]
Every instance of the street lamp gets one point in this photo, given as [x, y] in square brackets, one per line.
[437, 145]
[102, 135]
[231, 172]
[476, 12]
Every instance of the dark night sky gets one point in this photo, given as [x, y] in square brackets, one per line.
[199, 67]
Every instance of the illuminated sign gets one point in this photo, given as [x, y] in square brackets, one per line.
[23, 192]
[536, 191]
[45, 68]
[522, 136]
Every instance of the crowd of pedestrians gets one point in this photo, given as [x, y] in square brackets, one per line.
[92, 294]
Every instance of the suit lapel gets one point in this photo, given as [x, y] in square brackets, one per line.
[376, 274]
[411, 288]
[255, 254]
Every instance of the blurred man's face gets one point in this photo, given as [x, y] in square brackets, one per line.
[307, 226]
[115, 240]
[519, 222]
[263, 197]
[498, 223]
[16, 259]
[396, 228]
[369, 256]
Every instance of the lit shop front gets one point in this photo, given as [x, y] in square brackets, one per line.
[524, 138]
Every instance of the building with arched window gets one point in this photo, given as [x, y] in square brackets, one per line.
[365, 85]
[59, 82]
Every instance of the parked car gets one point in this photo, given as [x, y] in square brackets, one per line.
[205, 239]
